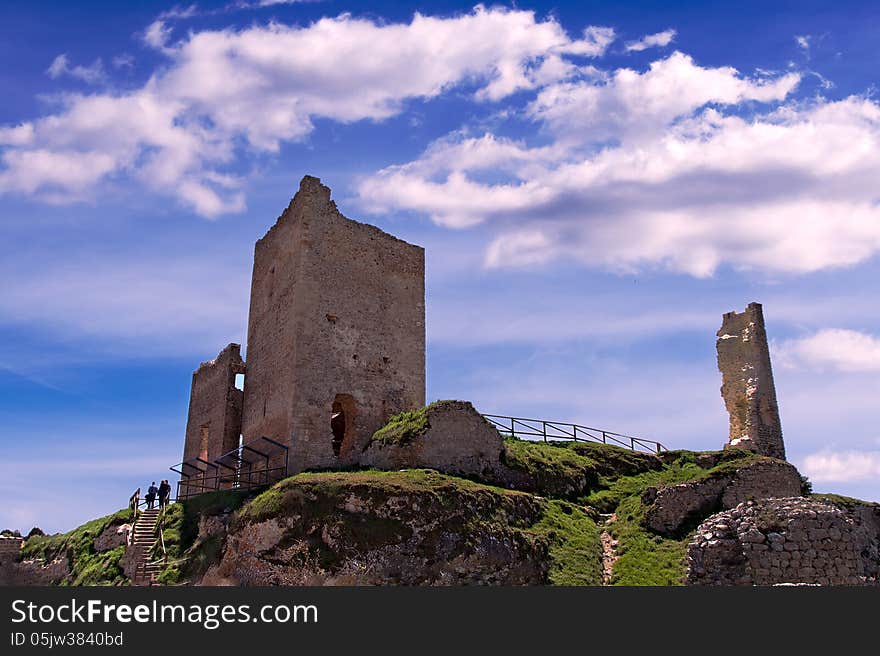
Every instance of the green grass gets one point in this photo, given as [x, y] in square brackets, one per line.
[88, 567]
[569, 470]
[845, 502]
[618, 490]
[645, 558]
[574, 545]
[551, 470]
[327, 487]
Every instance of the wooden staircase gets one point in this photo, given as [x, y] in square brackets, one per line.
[142, 541]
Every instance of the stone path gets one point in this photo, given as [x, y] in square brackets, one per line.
[609, 556]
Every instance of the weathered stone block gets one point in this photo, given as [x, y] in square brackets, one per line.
[455, 439]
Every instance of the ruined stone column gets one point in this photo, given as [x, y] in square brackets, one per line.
[747, 383]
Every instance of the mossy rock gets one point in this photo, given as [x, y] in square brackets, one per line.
[87, 567]
[419, 527]
[405, 427]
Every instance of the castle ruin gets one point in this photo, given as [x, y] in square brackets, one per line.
[335, 346]
[747, 383]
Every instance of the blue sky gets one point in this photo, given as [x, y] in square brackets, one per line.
[595, 184]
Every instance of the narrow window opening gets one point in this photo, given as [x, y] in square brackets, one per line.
[203, 443]
[342, 415]
[239, 381]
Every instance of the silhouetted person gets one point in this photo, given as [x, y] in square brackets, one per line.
[151, 495]
[164, 493]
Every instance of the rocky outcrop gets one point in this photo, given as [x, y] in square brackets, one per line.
[449, 436]
[794, 540]
[676, 507]
[374, 528]
[115, 535]
[34, 571]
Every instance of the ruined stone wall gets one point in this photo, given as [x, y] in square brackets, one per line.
[747, 383]
[675, 507]
[775, 541]
[336, 326]
[213, 425]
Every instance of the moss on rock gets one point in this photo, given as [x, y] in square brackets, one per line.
[87, 566]
[409, 527]
[403, 428]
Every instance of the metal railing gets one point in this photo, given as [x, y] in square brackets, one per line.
[253, 464]
[547, 431]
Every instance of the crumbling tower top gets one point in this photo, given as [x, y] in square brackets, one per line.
[747, 383]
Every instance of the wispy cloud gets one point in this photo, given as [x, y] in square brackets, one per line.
[803, 42]
[91, 74]
[658, 40]
[153, 305]
[842, 466]
[124, 60]
[831, 349]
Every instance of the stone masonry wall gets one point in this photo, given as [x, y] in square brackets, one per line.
[9, 548]
[794, 540]
[213, 425]
[336, 327]
[747, 383]
[676, 506]
[458, 441]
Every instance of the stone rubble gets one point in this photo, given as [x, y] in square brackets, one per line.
[788, 540]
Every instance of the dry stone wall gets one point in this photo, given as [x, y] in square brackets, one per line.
[674, 507]
[793, 540]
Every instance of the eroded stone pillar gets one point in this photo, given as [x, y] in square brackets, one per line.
[747, 383]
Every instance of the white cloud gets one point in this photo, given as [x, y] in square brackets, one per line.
[594, 43]
[124, 60]
[658, 169]
[92, 74]
[157, 34]
[263, 85]
[660, 39]
[843, 466]
[803, 42]
[831, 349]
[18, 135]
[180, 12]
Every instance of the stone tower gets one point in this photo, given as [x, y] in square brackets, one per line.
[747, 383]
[336, 332]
